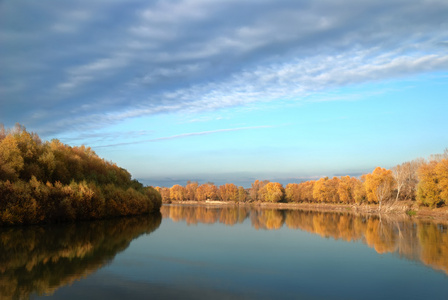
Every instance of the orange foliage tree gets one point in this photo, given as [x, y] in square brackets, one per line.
[379, 185]
[190, 190]
[306, 190]
[177, 192]
[242, 194]
[206, 191]
[11, 161]
[256, 186]
[292, 192]
[359, 190]
[42, 182]
[442, 174]
[326, 190]
[272, 192]
[346, 189]
[228, 192]
[433, 185]
[164, 193]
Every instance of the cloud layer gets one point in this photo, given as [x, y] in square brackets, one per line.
[86, 64]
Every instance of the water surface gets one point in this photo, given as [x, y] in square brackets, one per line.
[199, 252]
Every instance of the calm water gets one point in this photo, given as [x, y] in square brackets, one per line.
[197, 252]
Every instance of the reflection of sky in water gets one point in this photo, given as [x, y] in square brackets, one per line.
[218, 261]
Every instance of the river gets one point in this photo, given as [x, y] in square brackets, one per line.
[200, 252]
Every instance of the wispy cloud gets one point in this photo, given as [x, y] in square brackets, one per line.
[185, 135]
[93, 137]
[201, 55]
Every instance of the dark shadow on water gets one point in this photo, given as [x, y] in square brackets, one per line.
[40, 259]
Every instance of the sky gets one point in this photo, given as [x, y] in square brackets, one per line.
[230, 90]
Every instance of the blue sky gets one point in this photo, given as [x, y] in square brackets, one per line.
[230, 91]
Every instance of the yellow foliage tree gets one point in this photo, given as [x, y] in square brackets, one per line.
[442, 174]
[346, 189]
[306, 191]
[379, 185]
[319, 191]
[242, 194]
[326, 190]
[177, 192]
[292, 192]
[190, 190]
[206, 191]
[256, 186]
[228, 192]
[272, 192]
[359, 192]
[11, 161]
[432, 189]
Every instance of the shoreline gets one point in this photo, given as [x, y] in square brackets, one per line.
[399, 208]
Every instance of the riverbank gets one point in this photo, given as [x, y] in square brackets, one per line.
[410, 208]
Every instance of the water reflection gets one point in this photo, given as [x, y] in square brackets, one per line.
[421, 240]
[39, 260]
[202, 214]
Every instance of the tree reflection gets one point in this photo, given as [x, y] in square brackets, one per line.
[417, 240]
[270, 219]
[39, 260]
[206, 215]
[434, 243]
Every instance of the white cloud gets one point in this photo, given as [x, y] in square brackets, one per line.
[140, 58]
[186, 135]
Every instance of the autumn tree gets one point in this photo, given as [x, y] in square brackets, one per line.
[359, 190]
[29, 146]
[206, 191]
[326, 190]
[346, 189]
[406, 179]
[228, 192]
[164, 193]
[177, 192]
[242, 194]
[306, 191]
[432, 189]
[433, 180]
[256, 186]
[442, 175]
[333, 186]
[190, 190]
[379, 185]
[2, 131]
[11, 161]
[410, 188]
[272, 192]
[319, 190]
[292, 192]
[54, 182]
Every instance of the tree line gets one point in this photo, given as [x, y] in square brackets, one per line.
[42, 182]
[424, 181]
